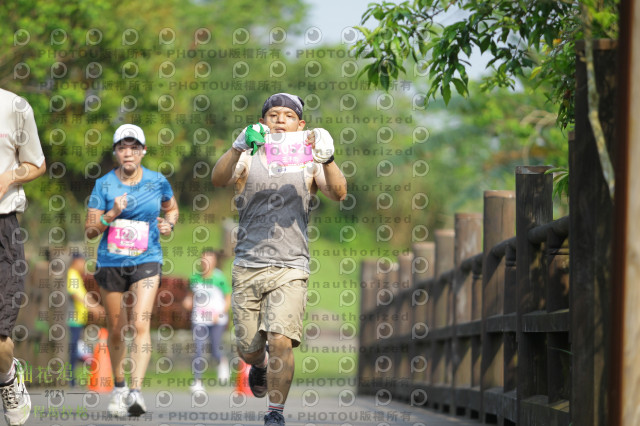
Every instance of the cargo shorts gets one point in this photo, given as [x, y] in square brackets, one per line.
[269, 299]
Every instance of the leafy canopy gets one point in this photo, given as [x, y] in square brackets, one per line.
[531, 39]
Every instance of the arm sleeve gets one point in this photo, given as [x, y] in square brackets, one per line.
[97, 199]
[29, 147]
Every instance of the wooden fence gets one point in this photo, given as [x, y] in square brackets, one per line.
[444, 326]
[487, 321]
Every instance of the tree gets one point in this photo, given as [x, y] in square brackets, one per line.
[87, 67]
[526, 39]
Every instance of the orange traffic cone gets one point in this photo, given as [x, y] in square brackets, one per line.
[242, 379]
[99, 366]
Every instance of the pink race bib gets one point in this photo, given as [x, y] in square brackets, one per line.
[128, 237]
[287, 152]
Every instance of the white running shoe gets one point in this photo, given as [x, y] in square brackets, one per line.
[15, 398]
[196, 387]
[135, 403]
[118, 405]
[224, 373]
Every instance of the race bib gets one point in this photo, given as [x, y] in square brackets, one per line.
[128, 237]
[287, 152]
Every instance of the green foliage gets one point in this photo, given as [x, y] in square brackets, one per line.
[560, 181]
[399, 160]
[525, 39]
[88, 66]
[477, 143]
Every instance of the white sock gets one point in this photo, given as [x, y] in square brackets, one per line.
[9, 375]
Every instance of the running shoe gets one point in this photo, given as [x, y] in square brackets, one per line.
[196, 387]
[135, 404]
[258, 379]
[273, 418]
[16, 401]
[117, 404]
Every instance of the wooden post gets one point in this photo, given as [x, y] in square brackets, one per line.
[368, 284]
[385, 330]
[534, 207]
[444, 262]
[405, 284]
[441, 354]
[499, 225]
[404, 318]
[510, 307]
[468, 242]
[625, 358]
[590, 233]
[423, 266]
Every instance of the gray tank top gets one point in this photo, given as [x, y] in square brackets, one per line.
[274, 214]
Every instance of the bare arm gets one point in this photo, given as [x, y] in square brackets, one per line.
[171, 214]
[187, 302]
[331, 181]
[223, 173]
[26, 172]
[93, 226]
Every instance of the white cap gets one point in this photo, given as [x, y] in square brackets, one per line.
[128, 131]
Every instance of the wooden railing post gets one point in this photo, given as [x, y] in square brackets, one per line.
[386, 332]
[468, 242]
[403, 322]
[441, 368]
[444, 262]
[423, 267]
[625, 327]
[366, 358]
[499, 225]
[534, 207]
[590, 235]
[405, 283]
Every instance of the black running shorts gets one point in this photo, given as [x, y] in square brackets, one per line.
[120, 278]
[13, 270]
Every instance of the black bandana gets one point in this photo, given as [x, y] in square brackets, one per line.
[284, 100]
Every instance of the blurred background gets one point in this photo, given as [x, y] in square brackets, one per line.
[192, 75]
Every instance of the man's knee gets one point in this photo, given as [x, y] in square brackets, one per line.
[252, 357]
[278, 342]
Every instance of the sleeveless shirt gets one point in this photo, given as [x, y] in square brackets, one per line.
[274, 214]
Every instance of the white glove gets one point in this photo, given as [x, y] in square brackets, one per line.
[241, 142]
[323, 149]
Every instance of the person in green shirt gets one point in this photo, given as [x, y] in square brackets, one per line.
[209, 301]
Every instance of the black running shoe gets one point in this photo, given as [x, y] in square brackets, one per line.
[273, 418]
[258, 380]
[135, 404]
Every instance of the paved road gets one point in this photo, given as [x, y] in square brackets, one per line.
[306, 406]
